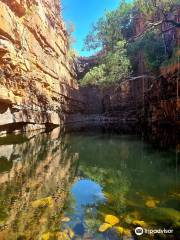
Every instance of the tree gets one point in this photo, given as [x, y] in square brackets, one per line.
[152, 45]
[110, 29]
[114, 67]
[114, 35]
[158, 12]
[160, 16]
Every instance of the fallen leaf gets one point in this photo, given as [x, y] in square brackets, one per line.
[104, 227]
[139, 223]
[42, 202]
[113, 220]
[119, 229]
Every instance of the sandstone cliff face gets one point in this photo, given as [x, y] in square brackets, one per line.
[37, 78]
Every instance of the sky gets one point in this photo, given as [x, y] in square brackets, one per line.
[83, 13]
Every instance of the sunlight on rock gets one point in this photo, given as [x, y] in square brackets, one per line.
[113, 220]
[104, 227]
[42, 202]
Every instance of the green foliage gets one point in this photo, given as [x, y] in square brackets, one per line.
[151, 44]
[95, 76]
[175, 58]
[150, 7]
[113, 68]
[114, 34]
[110, 29]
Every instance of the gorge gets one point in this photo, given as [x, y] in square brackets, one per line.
[39, 86]
[87, 161]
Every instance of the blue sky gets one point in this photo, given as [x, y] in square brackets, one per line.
[83, 13]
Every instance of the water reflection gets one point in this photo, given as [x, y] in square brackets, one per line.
[35, 168]
[139, 180]
[66, 185]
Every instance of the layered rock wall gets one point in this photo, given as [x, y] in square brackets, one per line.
[37, 76]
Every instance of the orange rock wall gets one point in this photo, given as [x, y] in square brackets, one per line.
[37, 77]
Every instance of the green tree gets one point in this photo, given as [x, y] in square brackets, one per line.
[114, 67]
[152, 45]
[157, 12]
[114, 35]
[111, 28]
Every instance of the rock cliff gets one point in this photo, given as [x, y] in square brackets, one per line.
[37, 77]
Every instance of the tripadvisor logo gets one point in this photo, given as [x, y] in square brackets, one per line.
[139, 231]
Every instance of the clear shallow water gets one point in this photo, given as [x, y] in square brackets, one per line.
[63, 186]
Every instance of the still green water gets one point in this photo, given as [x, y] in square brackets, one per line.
[87, 185]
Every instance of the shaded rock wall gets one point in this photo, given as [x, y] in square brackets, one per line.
[37, 76]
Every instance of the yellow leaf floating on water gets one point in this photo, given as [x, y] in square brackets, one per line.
[123, 231]
[104, 227]
[42, 202]
[139, 223]
[152, 203]
[119, 229]
[46, 236]
[113, 220]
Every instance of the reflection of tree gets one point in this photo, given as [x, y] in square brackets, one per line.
[41, 167]
[115, 187]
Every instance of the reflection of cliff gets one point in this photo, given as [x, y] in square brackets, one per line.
[41, 168]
